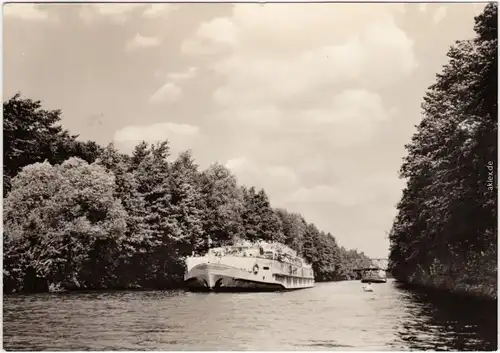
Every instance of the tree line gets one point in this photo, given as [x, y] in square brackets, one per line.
[81, 216]
[445, 234]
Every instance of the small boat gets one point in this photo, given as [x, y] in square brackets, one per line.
[368, 288]
[248, 267]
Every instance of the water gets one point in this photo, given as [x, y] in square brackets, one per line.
[331, 316]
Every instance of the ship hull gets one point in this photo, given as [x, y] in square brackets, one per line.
[240, 286]
[208, 277]
[373, 279]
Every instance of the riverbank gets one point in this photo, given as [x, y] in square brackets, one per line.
[46, 287]
[483, 288]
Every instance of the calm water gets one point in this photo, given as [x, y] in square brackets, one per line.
[331, 316]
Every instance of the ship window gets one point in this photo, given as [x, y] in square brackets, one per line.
[266, 268]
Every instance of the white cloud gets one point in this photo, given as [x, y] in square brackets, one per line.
[346, 119]
[236, 163]
[295, 76]
[116, 12]
[262, 117]
[349, 119]
[28, 12]
[322, 194]
[155, 132]
[168, 93]
[439, 14]
[378, 192]
[285, 175]
[184, 75]
[158, 10]
[422, 7]
[140, 41]
[269, 60]
[277, 180]
[374, 59]
[171, 91]
[180, 136]
[338, 207]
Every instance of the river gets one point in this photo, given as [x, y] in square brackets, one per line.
[330, 316]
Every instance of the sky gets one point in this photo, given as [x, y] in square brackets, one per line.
[312, 102]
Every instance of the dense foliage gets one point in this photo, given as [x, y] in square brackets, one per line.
[79, 216]
[31, 134]
[445, 233]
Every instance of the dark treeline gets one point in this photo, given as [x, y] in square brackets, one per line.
[80, 216]
[445, 234]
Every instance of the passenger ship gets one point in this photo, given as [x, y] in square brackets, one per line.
[248, 267]
[374, 275]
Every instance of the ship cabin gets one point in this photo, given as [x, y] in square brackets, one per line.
[264, 250]
[235, 250]
[287, 267]
[372, 274]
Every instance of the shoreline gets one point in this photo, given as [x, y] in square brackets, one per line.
[444, 285]
[121, 289]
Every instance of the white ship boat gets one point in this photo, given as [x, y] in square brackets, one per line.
[248, 267]
[374, 275]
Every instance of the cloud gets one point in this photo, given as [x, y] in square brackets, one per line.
[422, 7]
[346, 119]
[184, 75]
[27, 12]
[299, 72]
[210, 37]
[322, 194]
[380, 189]
[381, 56]
[168, 93]
[354, 191]
[338, 207]
[140, 41]
[159, 10]
[262, 117]
[439, 14]
[298, 94]
[171, 92]
[116, 12]
[236, 164]
[277, 180]
[180, 136]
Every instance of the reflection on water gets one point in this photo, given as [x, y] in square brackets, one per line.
[331, 316]
[443, 323]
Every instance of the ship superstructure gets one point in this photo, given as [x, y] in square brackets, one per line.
[249, 266]
[373, 275]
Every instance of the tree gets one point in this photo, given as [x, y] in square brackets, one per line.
[32, 134]
[259, 220]
[110, 220]
[62, 220]
[137, 238]
[187, 205]
[294, 228]
[223, 203]
[163, 262]
[446, 215]
[139, 154]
